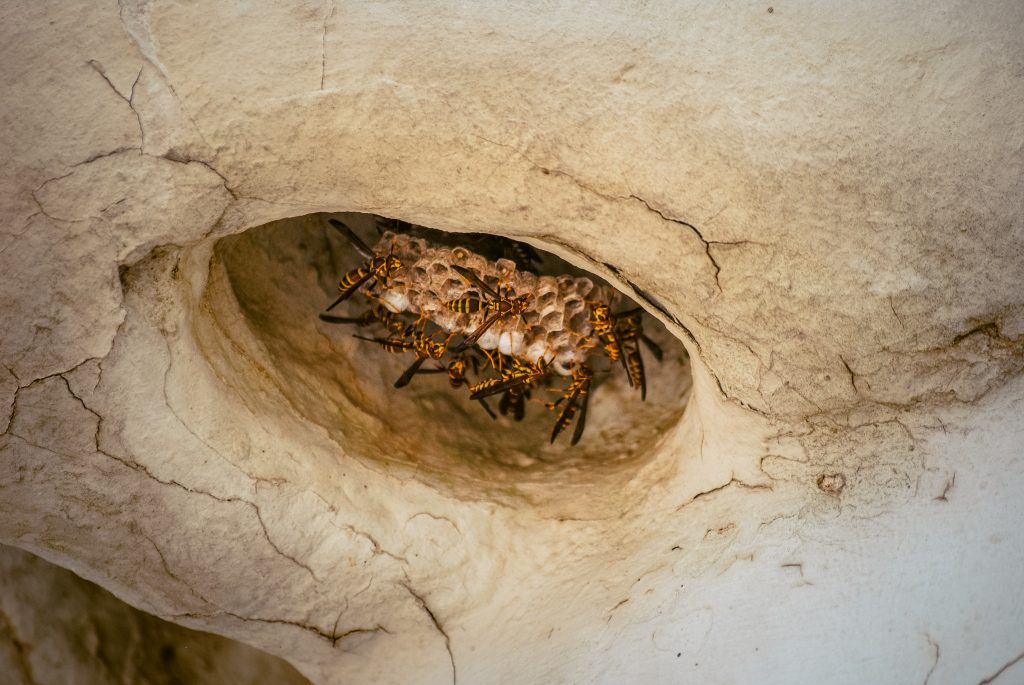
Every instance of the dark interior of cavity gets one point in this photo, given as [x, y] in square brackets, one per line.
[284, 274]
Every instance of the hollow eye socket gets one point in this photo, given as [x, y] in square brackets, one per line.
[344, 386]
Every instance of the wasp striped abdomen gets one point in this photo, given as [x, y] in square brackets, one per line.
[464, 305]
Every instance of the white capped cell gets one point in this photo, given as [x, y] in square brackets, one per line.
[510, 342]
[395, 300]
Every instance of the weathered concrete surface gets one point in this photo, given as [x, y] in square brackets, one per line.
[825, 202]
[57, 628]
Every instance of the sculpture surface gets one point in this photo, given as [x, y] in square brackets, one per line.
[822, 203]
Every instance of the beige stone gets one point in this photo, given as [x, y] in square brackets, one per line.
[57, 628]
[822, 202]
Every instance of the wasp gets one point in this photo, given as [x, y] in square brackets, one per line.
[500, 306]
[604, 324]
[516, 377]
[631, 333]
[457, 377]
[575, 396]
[514, 400]
[423, 345]
[379, 267]
[513, 383]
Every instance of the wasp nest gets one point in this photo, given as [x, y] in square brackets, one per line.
[517, 327]
[555, 326]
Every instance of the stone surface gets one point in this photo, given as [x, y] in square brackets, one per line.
[57, 628]
[823, 202]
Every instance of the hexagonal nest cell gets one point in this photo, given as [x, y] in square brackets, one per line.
[285, 275]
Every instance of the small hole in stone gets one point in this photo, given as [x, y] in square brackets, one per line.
[283, 274]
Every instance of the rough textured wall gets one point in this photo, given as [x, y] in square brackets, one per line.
[824, 201]
[57, 628]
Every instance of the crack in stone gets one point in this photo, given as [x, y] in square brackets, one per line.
[99, 70]
[944, 497]
[323, 46]
[339, 637]
[643, 296]
[614, 608]
[252, 505]
[148, 54]
[693, 229]
[279, 621]
[894, 313]
[1002, 670]
[24, 229]
[990, 329]
[853, 376]
[135, 466]
[104, 155]
[632, 196]
[935, 663]
[21, 649]
[333, 637]
[188, 429]
[128, 99]
[169, 572]
[445, 519]
[374, 545]
[172, 157]
[731, 482]
[437, 624]
[797, 565]
[270, 541]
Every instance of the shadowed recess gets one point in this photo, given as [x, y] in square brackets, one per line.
[282, 275]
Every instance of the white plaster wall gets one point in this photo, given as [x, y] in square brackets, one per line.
[824, 201]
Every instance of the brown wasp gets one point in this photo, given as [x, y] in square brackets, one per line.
[603, 322]
[516, 377]
[575, 397]
[630, 332]
[500, 306]
[379, 267]
[423, 345]
[514, 400]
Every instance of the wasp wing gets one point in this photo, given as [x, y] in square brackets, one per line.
[581, 421]
[330, 318]
[357, 243]
[506, 401]
[410, 372]
[653, 347]
[387, 342]
[481, 329]
[487, 408]
[519, 406]
[476, 280]
[563, 419]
